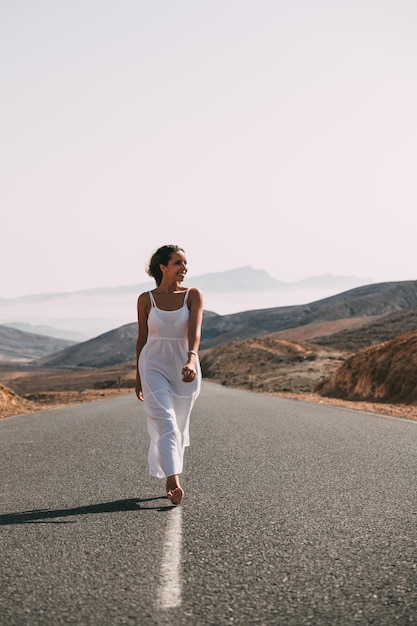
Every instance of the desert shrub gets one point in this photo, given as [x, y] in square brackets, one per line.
[128, 383]
[106, 384]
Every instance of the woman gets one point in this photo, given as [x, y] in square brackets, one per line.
[168, 369]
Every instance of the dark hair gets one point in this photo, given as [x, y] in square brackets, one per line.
[161, 257]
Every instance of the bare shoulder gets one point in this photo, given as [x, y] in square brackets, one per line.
[144, 300]
[195, 296]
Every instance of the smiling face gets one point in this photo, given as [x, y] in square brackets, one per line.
[176, 268]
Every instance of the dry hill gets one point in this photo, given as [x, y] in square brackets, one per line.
[386, 372]
[343, 312]
[270, 364]
[370, 331]
[112, 348]
[284, 349]
[12, 404]
[19, 346]
[356, 306]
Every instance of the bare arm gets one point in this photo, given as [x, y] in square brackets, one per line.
[195, 304]
[143, 312]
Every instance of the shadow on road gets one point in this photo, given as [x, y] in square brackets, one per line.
[43, 515]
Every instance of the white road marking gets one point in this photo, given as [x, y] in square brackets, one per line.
[170, 581]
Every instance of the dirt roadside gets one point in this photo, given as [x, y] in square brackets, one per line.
[15, 405]
[59, 399]
[396, 410]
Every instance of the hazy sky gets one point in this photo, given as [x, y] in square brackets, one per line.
[276, 134]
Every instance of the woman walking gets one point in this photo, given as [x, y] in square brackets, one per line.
[168, 370]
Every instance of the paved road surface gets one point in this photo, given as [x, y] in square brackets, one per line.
[295, 514]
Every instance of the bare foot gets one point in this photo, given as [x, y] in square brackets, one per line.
[175, 495]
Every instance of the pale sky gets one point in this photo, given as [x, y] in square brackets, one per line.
[276, 134]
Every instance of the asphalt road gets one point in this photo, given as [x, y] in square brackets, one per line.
[295, 514]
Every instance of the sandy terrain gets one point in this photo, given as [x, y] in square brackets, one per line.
[266, 365]
[52, 400]
[396, 410]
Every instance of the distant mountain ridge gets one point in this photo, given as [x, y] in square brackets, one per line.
[240, 279]
[88, 313]
[367, 301]
[371, 302]
[48, 331]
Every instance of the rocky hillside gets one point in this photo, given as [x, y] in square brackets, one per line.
[319, 320]
[371, 332]
[22, 347]
[308, 343]
[386, 372]
[115, 347]
[112, 348]
[12, 404]
[270, 364]
[365, 303]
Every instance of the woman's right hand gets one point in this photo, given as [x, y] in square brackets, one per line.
[139, 393]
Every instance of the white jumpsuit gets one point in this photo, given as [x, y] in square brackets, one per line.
[168, 400]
